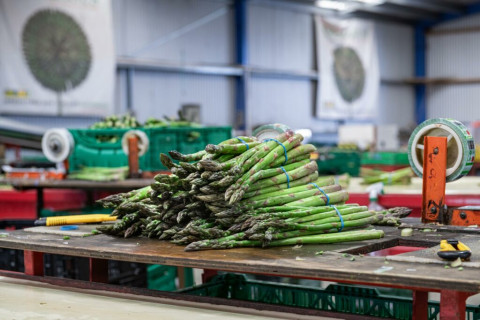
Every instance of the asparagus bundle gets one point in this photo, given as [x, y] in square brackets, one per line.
[241, 192]
[400, 176]
[100, 173]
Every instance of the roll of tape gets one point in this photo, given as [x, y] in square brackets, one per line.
[269, 131]
[143, 141]
[460, 146]
[57, 144]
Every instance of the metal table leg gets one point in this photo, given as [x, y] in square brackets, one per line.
[420, 305]
[40, 202]
[33, 262]
[98, 270]
[208, 274]
[453, 304]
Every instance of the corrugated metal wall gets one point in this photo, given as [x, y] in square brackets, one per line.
[201, 32]
[177, 32]
[156, 29]
[396, 58]
[454, 55]
[281, 39]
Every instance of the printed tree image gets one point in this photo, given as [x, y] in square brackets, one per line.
[56, 50]
[349, 73]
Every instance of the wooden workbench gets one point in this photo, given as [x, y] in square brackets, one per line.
[427, 276]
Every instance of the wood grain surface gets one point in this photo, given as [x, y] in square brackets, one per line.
[290, 261]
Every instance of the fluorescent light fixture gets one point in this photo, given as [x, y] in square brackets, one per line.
[306, 133]
[371, 2]
[333, 5]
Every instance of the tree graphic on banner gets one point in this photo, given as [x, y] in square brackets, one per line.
[57, 51]
[349, 73]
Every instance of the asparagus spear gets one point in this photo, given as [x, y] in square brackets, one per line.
[313, 239]
[262, 159]
[230, 148]
[291, 175]
[268, 187]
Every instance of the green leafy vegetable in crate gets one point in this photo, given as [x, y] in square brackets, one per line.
[181, 121]
[242, 192]
[110, 122]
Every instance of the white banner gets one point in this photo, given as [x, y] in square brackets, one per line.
[56, 57]
[348, 69]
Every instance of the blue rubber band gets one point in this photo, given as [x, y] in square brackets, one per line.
[284, 149]
[321, 190]
[242, 141]
[340, 216]
[288, 178]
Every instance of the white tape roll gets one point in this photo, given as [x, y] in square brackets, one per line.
[460, 146]
[143, 141]
[269, 131]
[57, 144]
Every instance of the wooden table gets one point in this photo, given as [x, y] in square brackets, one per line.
[454, 286]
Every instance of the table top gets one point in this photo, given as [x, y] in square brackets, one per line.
[127, 184]
[412, 272]
[464, 186]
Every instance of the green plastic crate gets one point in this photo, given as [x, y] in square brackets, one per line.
[160, 277]
[183, 139]
[339, 162]
[385, 158]
[337, 298]
[93, 150]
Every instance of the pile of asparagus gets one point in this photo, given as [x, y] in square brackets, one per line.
[242, 192]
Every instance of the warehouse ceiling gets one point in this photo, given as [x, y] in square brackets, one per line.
[409, 11]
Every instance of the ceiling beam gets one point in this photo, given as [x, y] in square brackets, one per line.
[404, 13]
[436, 6]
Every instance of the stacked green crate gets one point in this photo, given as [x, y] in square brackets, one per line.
[103, 147]
[183, 139]
[338, 298]
[385, 158]
[99, 148]
[338, 161]
[160, 277]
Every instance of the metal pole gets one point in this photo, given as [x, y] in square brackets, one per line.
[420, 60]
[241, 60]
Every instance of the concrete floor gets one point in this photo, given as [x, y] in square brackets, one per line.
[28, 300]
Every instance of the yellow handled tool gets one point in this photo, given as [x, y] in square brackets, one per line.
[82, 218]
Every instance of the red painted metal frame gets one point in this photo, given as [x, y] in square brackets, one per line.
[33, 262]
[420, 303]
[98, 270]
[208, 274]
[452, 303]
